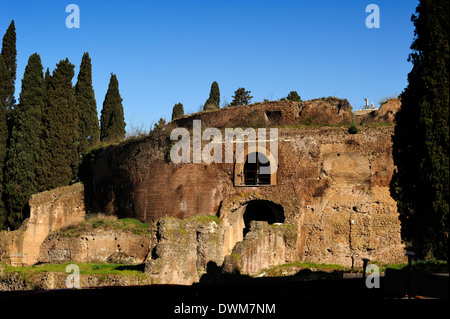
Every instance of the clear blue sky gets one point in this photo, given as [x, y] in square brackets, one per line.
[165, 52]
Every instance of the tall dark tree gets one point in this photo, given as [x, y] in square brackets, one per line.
[241, 97]
[88, 127]
[177, 111]
[213, 102]
[24, 150]
[9, 53]
[421, 139]
[41, 173]
[112, 122]
[4, 91]
[59, 156]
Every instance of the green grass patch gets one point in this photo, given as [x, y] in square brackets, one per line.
[106, 223]
[85, 269]
[291, 269]
[25, 271]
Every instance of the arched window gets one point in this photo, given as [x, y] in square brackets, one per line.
[256, 170]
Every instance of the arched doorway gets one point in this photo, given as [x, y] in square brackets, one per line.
[262, 210]
[239, 220]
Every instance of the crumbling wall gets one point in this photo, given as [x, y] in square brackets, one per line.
[333, 187]
[326, 179]
[264, 246]
[184, 248]
[98, 246]
[331, 110]
[49, 211]
[385, 114]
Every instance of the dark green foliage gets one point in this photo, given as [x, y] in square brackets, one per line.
[177, 111]
[353, 129]
[213, 102]
[8, 66]
[88, 127]
[241, 97]
[59, 142]
[293, 96]
[4, 91]
[158, 132]
[9, 53]
[24, 151]
[112, 123]
[421, 140]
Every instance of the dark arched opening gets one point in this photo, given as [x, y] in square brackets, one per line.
[262, 210]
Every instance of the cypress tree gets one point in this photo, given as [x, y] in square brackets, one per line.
[241, 97]
[88, 127]
[59, 149]
[43, 166]
[4, 91]
[177, 111]
[9, 53]
[421, 140]
[112, 123]
[24, 149]
[213, 102]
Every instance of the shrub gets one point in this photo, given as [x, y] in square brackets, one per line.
[353, 129]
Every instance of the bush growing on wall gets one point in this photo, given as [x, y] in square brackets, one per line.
[353, 129]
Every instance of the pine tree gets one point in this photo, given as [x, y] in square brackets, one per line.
[213, 102]
[421, 140]
[158, 132]
[241, 97]
[88, 127]
[177, 111]
[293, 96]
[4, 91]
[9, 53]
[59, 155]
[24, 150]
[112, 123]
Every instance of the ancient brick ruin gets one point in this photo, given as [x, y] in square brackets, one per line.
[328, 201]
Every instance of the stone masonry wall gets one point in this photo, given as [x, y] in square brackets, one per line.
[49, 211]
[322, 111]
[264, 246]
[332, 185]
[333, 188]
[184, 247]
[98, 246]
